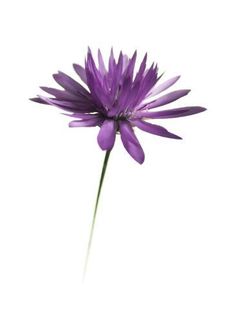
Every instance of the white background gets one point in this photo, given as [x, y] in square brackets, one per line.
[165, 238]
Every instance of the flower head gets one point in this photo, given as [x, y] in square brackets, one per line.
[117, 100]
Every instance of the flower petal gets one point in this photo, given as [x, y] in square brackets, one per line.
[171, 113]
[86, 122]
[101, 64]
[116, 77]
[154, 129]
[81, 115]
[38, 100]
[146, 84]
[131, 142]
[60, 94]
[125, 63]
[107, 134]
[141, 70]
[124, 94]
[130, 68]
[166, 99]
[112, 62]
[96, 84]
[68, 105]
[70, 84]
[163, 86]
[81, 72]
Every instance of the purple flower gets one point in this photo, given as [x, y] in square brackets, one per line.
[117, 100]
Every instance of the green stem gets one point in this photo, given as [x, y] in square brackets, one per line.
[95, 210]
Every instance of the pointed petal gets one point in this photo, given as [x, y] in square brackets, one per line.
[60, 94]
[125, 63]
[141, 70]
[171, 113]
[38, 100]
[68, 105]
[124, 94]
[131, 142]
[147, 83]
[96, 84]
[163, 86]
[166, 99]
[86, 122]
[102, 67]
[107, 134]
[112, 62]
[130, 68]
[81, 72]
[70, 84]
[81, 115]
[137, 89]
[116, 79]
[154, 129]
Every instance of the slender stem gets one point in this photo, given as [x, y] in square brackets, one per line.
[104, 167]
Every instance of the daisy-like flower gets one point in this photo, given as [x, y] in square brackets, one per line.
[117, 100]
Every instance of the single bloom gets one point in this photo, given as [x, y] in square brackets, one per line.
[116, 100]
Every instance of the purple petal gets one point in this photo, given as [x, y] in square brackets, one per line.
[137, 87]
[107, 134]
[100, 96]
[81, 115]
[81, 72]
[130, 68]
[60, 94]
[125, 62]
[91, 67]
[141, 70]
[171, 113]
[112, 62]
[96, 83]
[124, 94]
[166, 99]
[160, 88]
[131, 142]
[68, 105]
[86, 122]
[102, 67]
[148, 81]
[70, 84]
[39, 100]
[117, 74]
[154, 129]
